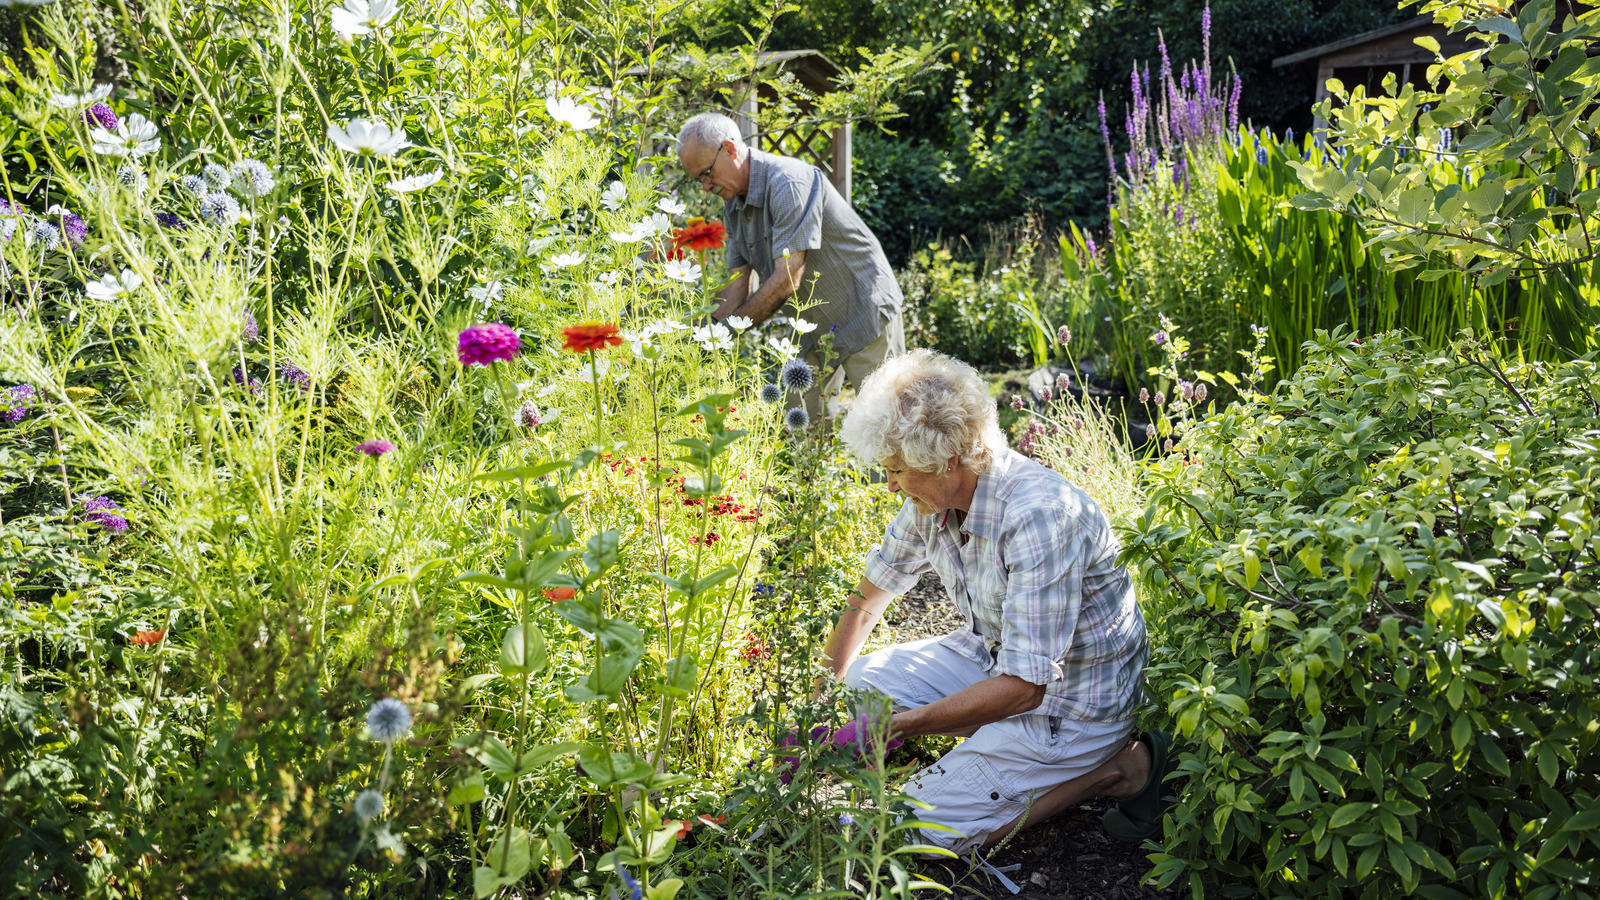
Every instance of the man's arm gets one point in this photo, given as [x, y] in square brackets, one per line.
[774, 291]
[855, 626]
[970, 708]
[735, 294]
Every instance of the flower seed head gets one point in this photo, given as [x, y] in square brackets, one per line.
[796, 419]
[771, 393]
[796, 375]
[388, 720]
[528, 415]
[217, 177]
[369, 804]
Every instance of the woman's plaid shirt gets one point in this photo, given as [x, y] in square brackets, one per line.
[1033, 570]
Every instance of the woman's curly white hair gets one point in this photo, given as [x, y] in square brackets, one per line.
[924, 407]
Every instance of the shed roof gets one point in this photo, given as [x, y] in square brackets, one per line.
[814, 70]
[1417, 24]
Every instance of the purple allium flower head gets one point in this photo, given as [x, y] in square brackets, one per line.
[249, 331]
[171, 220]
[528, 415]
[375, 447]
[19, 398]
[102, 115]
[1063, 382]
[105, 512]
[491, 342]
[295, 376]
[1158, 338]
[1016, 401]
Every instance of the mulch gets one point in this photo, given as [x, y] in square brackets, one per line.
[1070, 856]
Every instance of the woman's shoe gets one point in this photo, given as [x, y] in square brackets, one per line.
[1137, 819]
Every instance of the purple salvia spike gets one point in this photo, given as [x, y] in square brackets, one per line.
[1205, 46]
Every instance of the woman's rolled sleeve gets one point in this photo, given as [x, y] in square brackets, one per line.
[1044, 594]
[902, 557]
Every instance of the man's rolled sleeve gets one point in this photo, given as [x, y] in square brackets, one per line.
[902, 557]
[1044, 594]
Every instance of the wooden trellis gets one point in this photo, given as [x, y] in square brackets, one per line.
[826, 148]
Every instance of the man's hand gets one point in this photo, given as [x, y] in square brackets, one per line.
[787, 273]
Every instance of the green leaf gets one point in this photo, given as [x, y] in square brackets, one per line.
[606, 768]
[523, 473]
[1349, 813]
[467, 790]
[522, 650]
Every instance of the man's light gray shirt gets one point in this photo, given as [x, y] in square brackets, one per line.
[790, 205]
[1033, 570]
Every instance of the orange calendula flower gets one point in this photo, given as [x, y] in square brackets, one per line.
[555, 595]
[586, 336]
[683, 827]
[700, 236]
[147, 638]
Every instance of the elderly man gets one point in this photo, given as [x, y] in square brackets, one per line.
[1046, 675]
[791, 233]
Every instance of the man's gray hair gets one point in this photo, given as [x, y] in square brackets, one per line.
[709, 129]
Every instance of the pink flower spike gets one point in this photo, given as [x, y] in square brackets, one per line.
[375, 447]
[491, 342]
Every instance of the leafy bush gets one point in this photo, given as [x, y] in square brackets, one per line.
[1381, 650]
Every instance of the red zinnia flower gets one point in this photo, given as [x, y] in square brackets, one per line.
[586, 336]
[147, 638]
[700, 236]
[555, 595]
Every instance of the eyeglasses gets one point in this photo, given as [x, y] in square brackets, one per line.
[706, 172]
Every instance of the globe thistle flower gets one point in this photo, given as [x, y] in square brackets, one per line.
[252, 178]
[249, 331]
[388, 720]
[771, 393]
[193, 184]
[491, 342]
[219, 208]
[796, 419]
[18, 400]
[46, 235]
[101, 115]
[528, 415]
[375, 447]
[1017, 402]
[295, 375]
[797, 375]
[369, 804]
[105, 512]
[130, 176]
[217, 177]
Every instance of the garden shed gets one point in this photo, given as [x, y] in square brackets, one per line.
[1368, 57]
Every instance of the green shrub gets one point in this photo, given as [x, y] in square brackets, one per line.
[1381, 654]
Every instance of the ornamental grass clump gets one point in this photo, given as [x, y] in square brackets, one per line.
[1380, 655]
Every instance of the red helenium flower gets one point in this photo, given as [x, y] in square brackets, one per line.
[147, 638]
[700, 236]
[586, 336]
[561, 593]
[491, 342]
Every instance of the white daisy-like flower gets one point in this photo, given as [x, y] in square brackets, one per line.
[616, 194]
[738, 323]
[694, 484]
[803, 327]
[415, 182]
[672, 206]
[114, 287]
[658, 223]
[714, 337]
[369, 804]
[607, 279]
[134, 136]
[639, 341]
[683, 270]
[566, 260]
[488, 293]
[362, 16]
[665, 325]
[782, 347]
[368, 137]
[632, 236]
[571, 113]
[388, 720]
[70, 99]
[597, 371]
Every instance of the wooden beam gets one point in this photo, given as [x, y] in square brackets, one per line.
[842, 156]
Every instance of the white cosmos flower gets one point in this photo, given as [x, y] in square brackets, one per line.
[113, 287]
[598, 371]
[134, 136]
[672, 206]
[803, 327]
[570, 113]
[368, 137]
[607, 279]
[363, 16]
[658, 223]
[783, 348]
[714, 337]
[615, 195]
[71, 100]
[566, 260]
[488, 293]
[683, 270]
[738, 323]
[666, 325]
[639, 341]
[415, 182]
[635, 233]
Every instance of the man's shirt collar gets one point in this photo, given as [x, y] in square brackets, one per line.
[755, 193]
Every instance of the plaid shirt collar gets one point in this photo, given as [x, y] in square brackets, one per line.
[755, 194]
[988, 498]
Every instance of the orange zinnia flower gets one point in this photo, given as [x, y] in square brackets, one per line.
[586, 336]
[561, 593]
[700, 236]
[683, 827]
[146, 638]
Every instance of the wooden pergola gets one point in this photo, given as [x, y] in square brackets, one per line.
[1367, 57]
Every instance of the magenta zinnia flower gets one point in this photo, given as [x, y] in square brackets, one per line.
[375, 447]
[488, 343]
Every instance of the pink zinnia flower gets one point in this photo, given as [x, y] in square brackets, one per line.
[488, 343]
[375, 447]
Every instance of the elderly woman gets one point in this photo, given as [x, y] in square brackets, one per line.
[1045, 677]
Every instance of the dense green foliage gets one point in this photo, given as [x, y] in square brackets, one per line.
[1382, 649]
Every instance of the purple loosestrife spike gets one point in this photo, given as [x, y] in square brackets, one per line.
[18, 399]
[105, 512]
[1089, 243]
[1205, 46]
